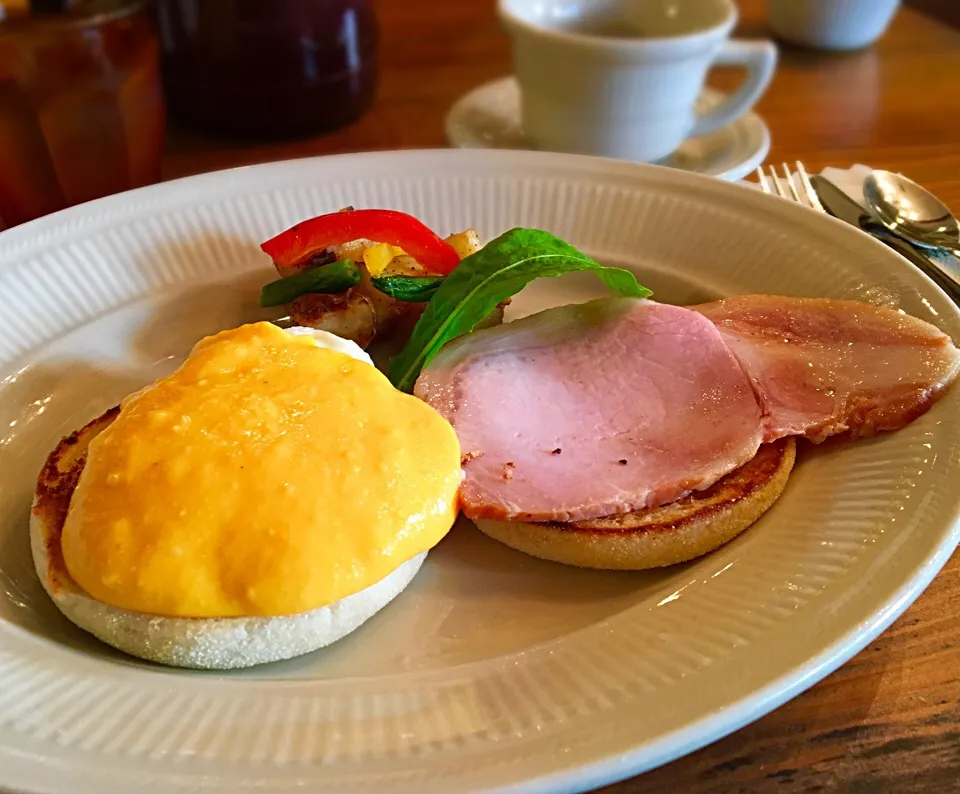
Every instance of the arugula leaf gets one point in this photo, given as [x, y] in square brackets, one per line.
[335, 277]
[497, 271]
[413, 289]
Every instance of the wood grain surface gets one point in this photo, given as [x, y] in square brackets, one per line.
[889, 720]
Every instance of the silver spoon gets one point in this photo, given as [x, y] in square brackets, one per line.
[911, 212]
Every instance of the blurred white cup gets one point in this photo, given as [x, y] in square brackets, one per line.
[831, 24]
[620, 78]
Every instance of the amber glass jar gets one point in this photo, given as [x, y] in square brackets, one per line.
[81, 110]
[268, 68]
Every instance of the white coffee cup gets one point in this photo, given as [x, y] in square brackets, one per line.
[831, 24]
[621, 78]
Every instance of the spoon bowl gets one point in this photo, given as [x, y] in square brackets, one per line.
[910, 211]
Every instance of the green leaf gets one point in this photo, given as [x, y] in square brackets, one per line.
[496, 272]
[336, 277]
[413, 289]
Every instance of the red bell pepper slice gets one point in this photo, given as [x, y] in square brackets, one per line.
[300, 242]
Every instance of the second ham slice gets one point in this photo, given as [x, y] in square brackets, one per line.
[822, 367]
[593, 409]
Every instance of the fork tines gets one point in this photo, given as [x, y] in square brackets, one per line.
[791, 185]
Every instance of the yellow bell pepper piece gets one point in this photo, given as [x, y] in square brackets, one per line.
[378, 257]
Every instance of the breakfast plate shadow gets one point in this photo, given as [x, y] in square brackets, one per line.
[491, 660]
[488, 117]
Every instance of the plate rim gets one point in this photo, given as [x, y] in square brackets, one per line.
[617, 767]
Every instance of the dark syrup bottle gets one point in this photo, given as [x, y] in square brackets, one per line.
[268, 68]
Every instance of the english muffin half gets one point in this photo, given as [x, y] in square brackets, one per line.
[204, 643]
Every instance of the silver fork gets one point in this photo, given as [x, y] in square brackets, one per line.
[799, 188]
[802, 193]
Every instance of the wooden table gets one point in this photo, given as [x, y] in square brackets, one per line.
[889, 720]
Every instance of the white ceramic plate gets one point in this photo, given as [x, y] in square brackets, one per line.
[488, 117]
[493, 671]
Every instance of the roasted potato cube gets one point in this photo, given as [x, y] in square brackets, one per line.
[465, 243]
[349, 314]
[390, 312]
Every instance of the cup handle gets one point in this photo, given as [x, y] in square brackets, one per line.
[759, 58]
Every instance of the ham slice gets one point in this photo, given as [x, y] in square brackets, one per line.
[821, 367]
[593, 409]
[614, 405]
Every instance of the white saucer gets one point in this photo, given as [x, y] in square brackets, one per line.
[489, 118]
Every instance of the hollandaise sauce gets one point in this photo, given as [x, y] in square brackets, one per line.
[267, 476]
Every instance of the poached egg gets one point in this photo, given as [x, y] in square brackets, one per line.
[275, 472]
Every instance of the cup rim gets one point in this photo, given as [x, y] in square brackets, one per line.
[620, 44]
